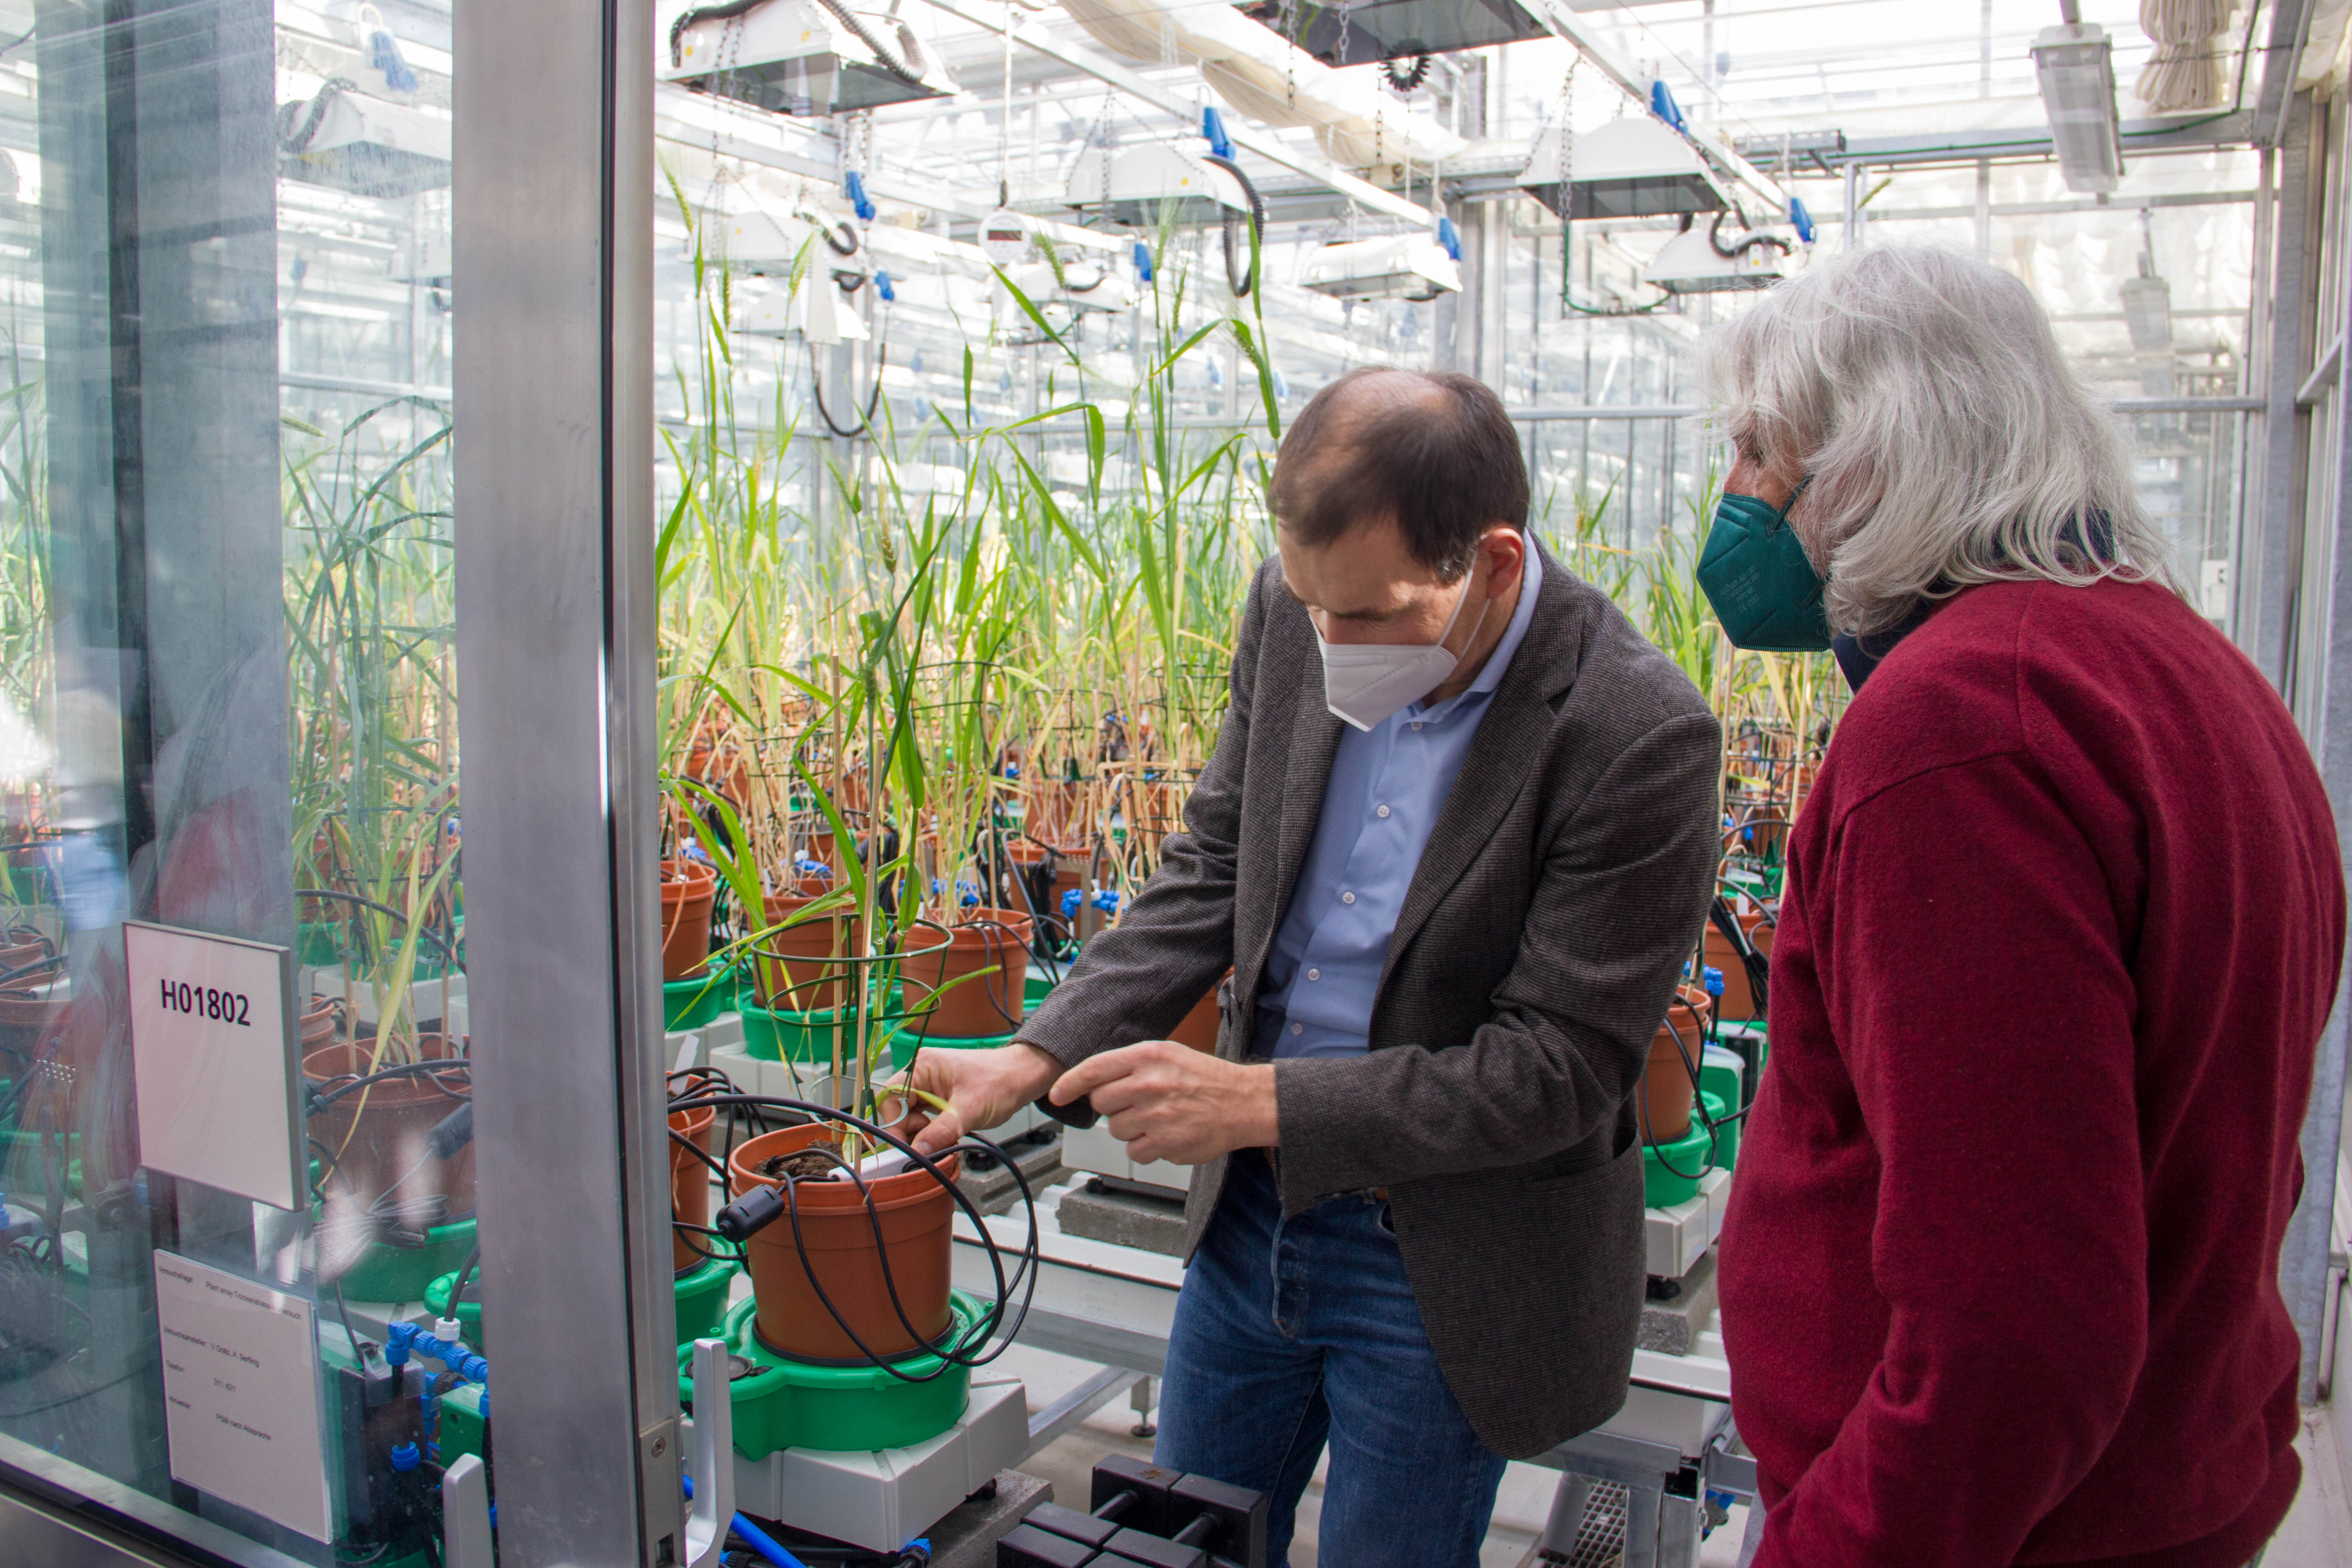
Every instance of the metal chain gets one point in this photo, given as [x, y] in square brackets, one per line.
[1346, 10]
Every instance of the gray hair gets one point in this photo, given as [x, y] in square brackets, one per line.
[1948, 442]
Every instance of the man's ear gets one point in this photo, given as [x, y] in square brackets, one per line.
[1506, 551]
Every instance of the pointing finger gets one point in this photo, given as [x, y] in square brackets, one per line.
[1092, 1074]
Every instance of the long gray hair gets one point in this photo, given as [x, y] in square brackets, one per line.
[1947, 440]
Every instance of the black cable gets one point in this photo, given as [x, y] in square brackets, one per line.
[1698, 1110]
[1242, 287]
[319, 1101]
[882, 52]
[1025, 1276]
[1715, 242]
[1758, 968]
[865, 424]
[297, 141]
[448, 951]
[457, 1290]
[693, 13]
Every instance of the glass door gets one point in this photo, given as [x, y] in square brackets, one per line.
[248, 1238]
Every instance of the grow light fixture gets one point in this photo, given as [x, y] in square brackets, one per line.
[1635, 166]
[346, 141]
[803, 57]
[1064, 299]
[1142, 185]
[2075, 63]
[1394, 267]
[1375, 30]
[1693, 261]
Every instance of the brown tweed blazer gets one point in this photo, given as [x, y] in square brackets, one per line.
[1565, 883]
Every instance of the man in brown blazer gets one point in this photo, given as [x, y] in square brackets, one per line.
[1456, 841]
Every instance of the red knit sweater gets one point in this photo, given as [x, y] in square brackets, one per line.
[2062, 923]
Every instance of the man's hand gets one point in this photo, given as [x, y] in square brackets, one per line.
[1167, 1102]
[982, 1088]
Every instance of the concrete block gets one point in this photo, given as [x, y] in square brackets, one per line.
[1672, 1327]
[967, 1537]
[993, 1191]
[1124, 1219]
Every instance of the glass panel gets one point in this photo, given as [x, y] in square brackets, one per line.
[226, 705]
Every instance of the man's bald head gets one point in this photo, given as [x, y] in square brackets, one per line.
[1432, 452]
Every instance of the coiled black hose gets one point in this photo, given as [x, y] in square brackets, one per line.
[1242, 286]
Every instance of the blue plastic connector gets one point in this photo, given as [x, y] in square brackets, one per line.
[400, 1336]
[1450, 237]
[478, 1370]
[883, 286]
[1713, 979]
[1662, 105]
[1069, 903]
[383, 54]
[1213, 126]
[853, 186]
[1802, 218]
[1142, 254]
[1106, 898]
[405, 1459]
[395, 1356]
[967, 894]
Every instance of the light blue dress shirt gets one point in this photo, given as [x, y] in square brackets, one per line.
[1388, 784]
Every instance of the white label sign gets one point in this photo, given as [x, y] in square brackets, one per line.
[211, 1061]
[241, 1393]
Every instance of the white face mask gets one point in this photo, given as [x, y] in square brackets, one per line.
[1365, 682]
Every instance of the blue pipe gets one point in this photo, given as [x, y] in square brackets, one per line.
[761, 1540]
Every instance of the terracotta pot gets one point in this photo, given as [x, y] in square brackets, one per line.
[18, 953]
[686, 892]
[721, 770]
[1198, 1027]
[806, 968]
[1668, 1092]
[836, 1230]
[1738, 996]
[321, 1021]
[980, 1008]
[689, 1187]
[377, 1134]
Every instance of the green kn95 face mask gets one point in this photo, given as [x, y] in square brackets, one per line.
[1765, 591]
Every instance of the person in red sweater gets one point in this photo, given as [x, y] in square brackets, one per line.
[2063, 921]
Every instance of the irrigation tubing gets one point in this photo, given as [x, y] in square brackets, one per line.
[1025, 1276]
[448, 953]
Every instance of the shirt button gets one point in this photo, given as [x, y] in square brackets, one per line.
[1298, 1028]
[1416, 723]
[1314, 975]
[1383, 811]
[1347, 898]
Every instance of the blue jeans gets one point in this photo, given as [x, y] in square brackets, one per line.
[1293, 1332]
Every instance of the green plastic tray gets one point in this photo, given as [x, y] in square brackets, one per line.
[792, 1404]
[403, 1273]
[1664, 1188]
[701, 1300]
[693, 1001]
